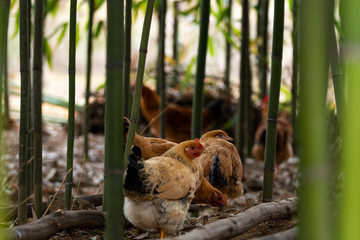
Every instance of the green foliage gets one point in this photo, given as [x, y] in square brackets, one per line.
[98, 4]
[100, 26]
[51, 6]
[48, 52]
[188, 74]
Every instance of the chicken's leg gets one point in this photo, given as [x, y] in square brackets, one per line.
[162, 233]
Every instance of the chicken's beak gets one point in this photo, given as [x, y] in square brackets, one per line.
[230, 139]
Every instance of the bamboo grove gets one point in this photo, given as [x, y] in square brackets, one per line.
[325, 39]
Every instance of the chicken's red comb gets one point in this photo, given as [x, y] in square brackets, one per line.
[196, 140]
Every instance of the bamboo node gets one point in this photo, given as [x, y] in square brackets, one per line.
[24, 71]
[271, 119]
[114, 66]
[267, 169]
[113, 172]
[72, 71]
[134, 120]
[143, 50]
[276, 57]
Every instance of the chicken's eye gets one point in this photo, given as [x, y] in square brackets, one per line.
[192, 148]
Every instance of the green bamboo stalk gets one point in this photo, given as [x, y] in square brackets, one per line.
[6, 117]
[198, 98]
[337, 78]
[228, 48]
[114, 126]
[127, 58]
[315, 22]
[295, 74]
[24, 106]
[139, 77]
[349, 206]
[161, 66]
[4, 22]
[243, 129]
[263, 12]
[175, 80]
[37, 78]
[71, 110]
[29, 122]
[88, 79]
[275, 82]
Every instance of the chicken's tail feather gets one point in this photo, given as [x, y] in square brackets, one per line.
[132, 178]
[215, 174]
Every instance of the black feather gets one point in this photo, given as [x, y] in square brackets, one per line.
[263, 136]
[215, 174]
[132, 179]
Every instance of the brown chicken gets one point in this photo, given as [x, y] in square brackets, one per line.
[158, 192]
[154, 147]
[284, 136]
[222, 164]
[177, 118]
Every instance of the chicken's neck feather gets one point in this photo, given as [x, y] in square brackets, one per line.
[178, 157]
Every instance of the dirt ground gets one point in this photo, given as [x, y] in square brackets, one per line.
[88, 179]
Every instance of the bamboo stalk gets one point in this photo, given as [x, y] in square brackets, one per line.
[243, 129]
[114, 126]
[29, 122]
[349, 207]
[161, 65]
[71, 110]
[295, 74]
[24, 106]
[127, 58]
[139, 77]
[275, 82]
[315, 19]
[198, 98]
[337, 78]
[175, 43]
[88, 79]
[263, 12]
[228, 47]
[37, 78]
[6, 121]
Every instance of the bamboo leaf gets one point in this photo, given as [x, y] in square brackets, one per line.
[230, 39]
[48, 52]
[98, 4]
[17, 24]
[211, 46]
[188, 74]
[52, 7]
[77, 34]
[62, 33]
[98, 28]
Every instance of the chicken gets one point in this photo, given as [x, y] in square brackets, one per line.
[284, 133]
[230, 161]
[177, 118]
[153, 147]
[158, 192]
[222, 164]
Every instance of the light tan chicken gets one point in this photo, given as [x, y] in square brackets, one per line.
[158, 192]
[154, 147]
[222, 164]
